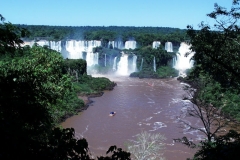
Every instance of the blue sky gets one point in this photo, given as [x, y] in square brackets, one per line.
[155, 13]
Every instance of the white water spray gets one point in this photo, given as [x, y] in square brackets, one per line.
[122, 67]
[181, 62]
[168, 47]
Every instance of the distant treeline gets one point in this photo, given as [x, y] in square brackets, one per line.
[143, 35]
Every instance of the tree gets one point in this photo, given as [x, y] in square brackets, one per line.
[147, 146]
[32, 92]
[217, 48]
[223, 148]
[202, 107]
[216, 83]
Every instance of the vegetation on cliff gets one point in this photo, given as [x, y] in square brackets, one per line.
[215, 77]
[35, 93]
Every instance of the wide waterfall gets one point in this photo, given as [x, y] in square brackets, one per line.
[130, 44]
[156, 44]
[168, 47]
[181, 62]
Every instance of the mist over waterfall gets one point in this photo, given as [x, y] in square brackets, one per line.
[130, 44]
[156, 44]
[168, 47]
[180, 62]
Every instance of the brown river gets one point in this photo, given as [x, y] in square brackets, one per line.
[151, 105]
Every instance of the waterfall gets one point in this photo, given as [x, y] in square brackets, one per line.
[141, 64]
[115, 64]
[92, 59]
[168, 47]
[181, 62]
[130, 44]
[134, 64]
[111, 43]
[154, 64]
[122, 67]
[156, 44]
[42, 43]
[75, 49]
[105, 62]
[116, 44]
[56, 46]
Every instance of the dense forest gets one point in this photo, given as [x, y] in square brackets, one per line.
[143, 35]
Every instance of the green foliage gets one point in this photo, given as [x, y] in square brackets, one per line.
[10, 37]
[162, 72]
[74, 67]
[34, 94]
[167, 71]
[117, 154]
[162, 58]
[216, 61]
[144, 35]
[145, 73]
[217, 52]
[30, 88]
[93, 85]
[223, 148]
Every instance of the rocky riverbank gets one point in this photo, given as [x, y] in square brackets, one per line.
[87, 100]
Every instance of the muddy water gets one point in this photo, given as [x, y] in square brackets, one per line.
[150, 105]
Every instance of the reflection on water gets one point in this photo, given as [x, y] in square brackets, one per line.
[140, 107]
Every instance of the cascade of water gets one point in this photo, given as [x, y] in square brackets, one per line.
[105, 62]
[111, 44]
[75, 49]
[156, 44]
[43, 43]
[130, 44]
[56, 46]
[134, 64]
[118, 44]
[181, 62]
[154, 64]
[168, 47]
[92, 59]
[115, 64]
[122, 67]
[141, 64]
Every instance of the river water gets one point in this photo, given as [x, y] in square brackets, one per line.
[152, 105]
